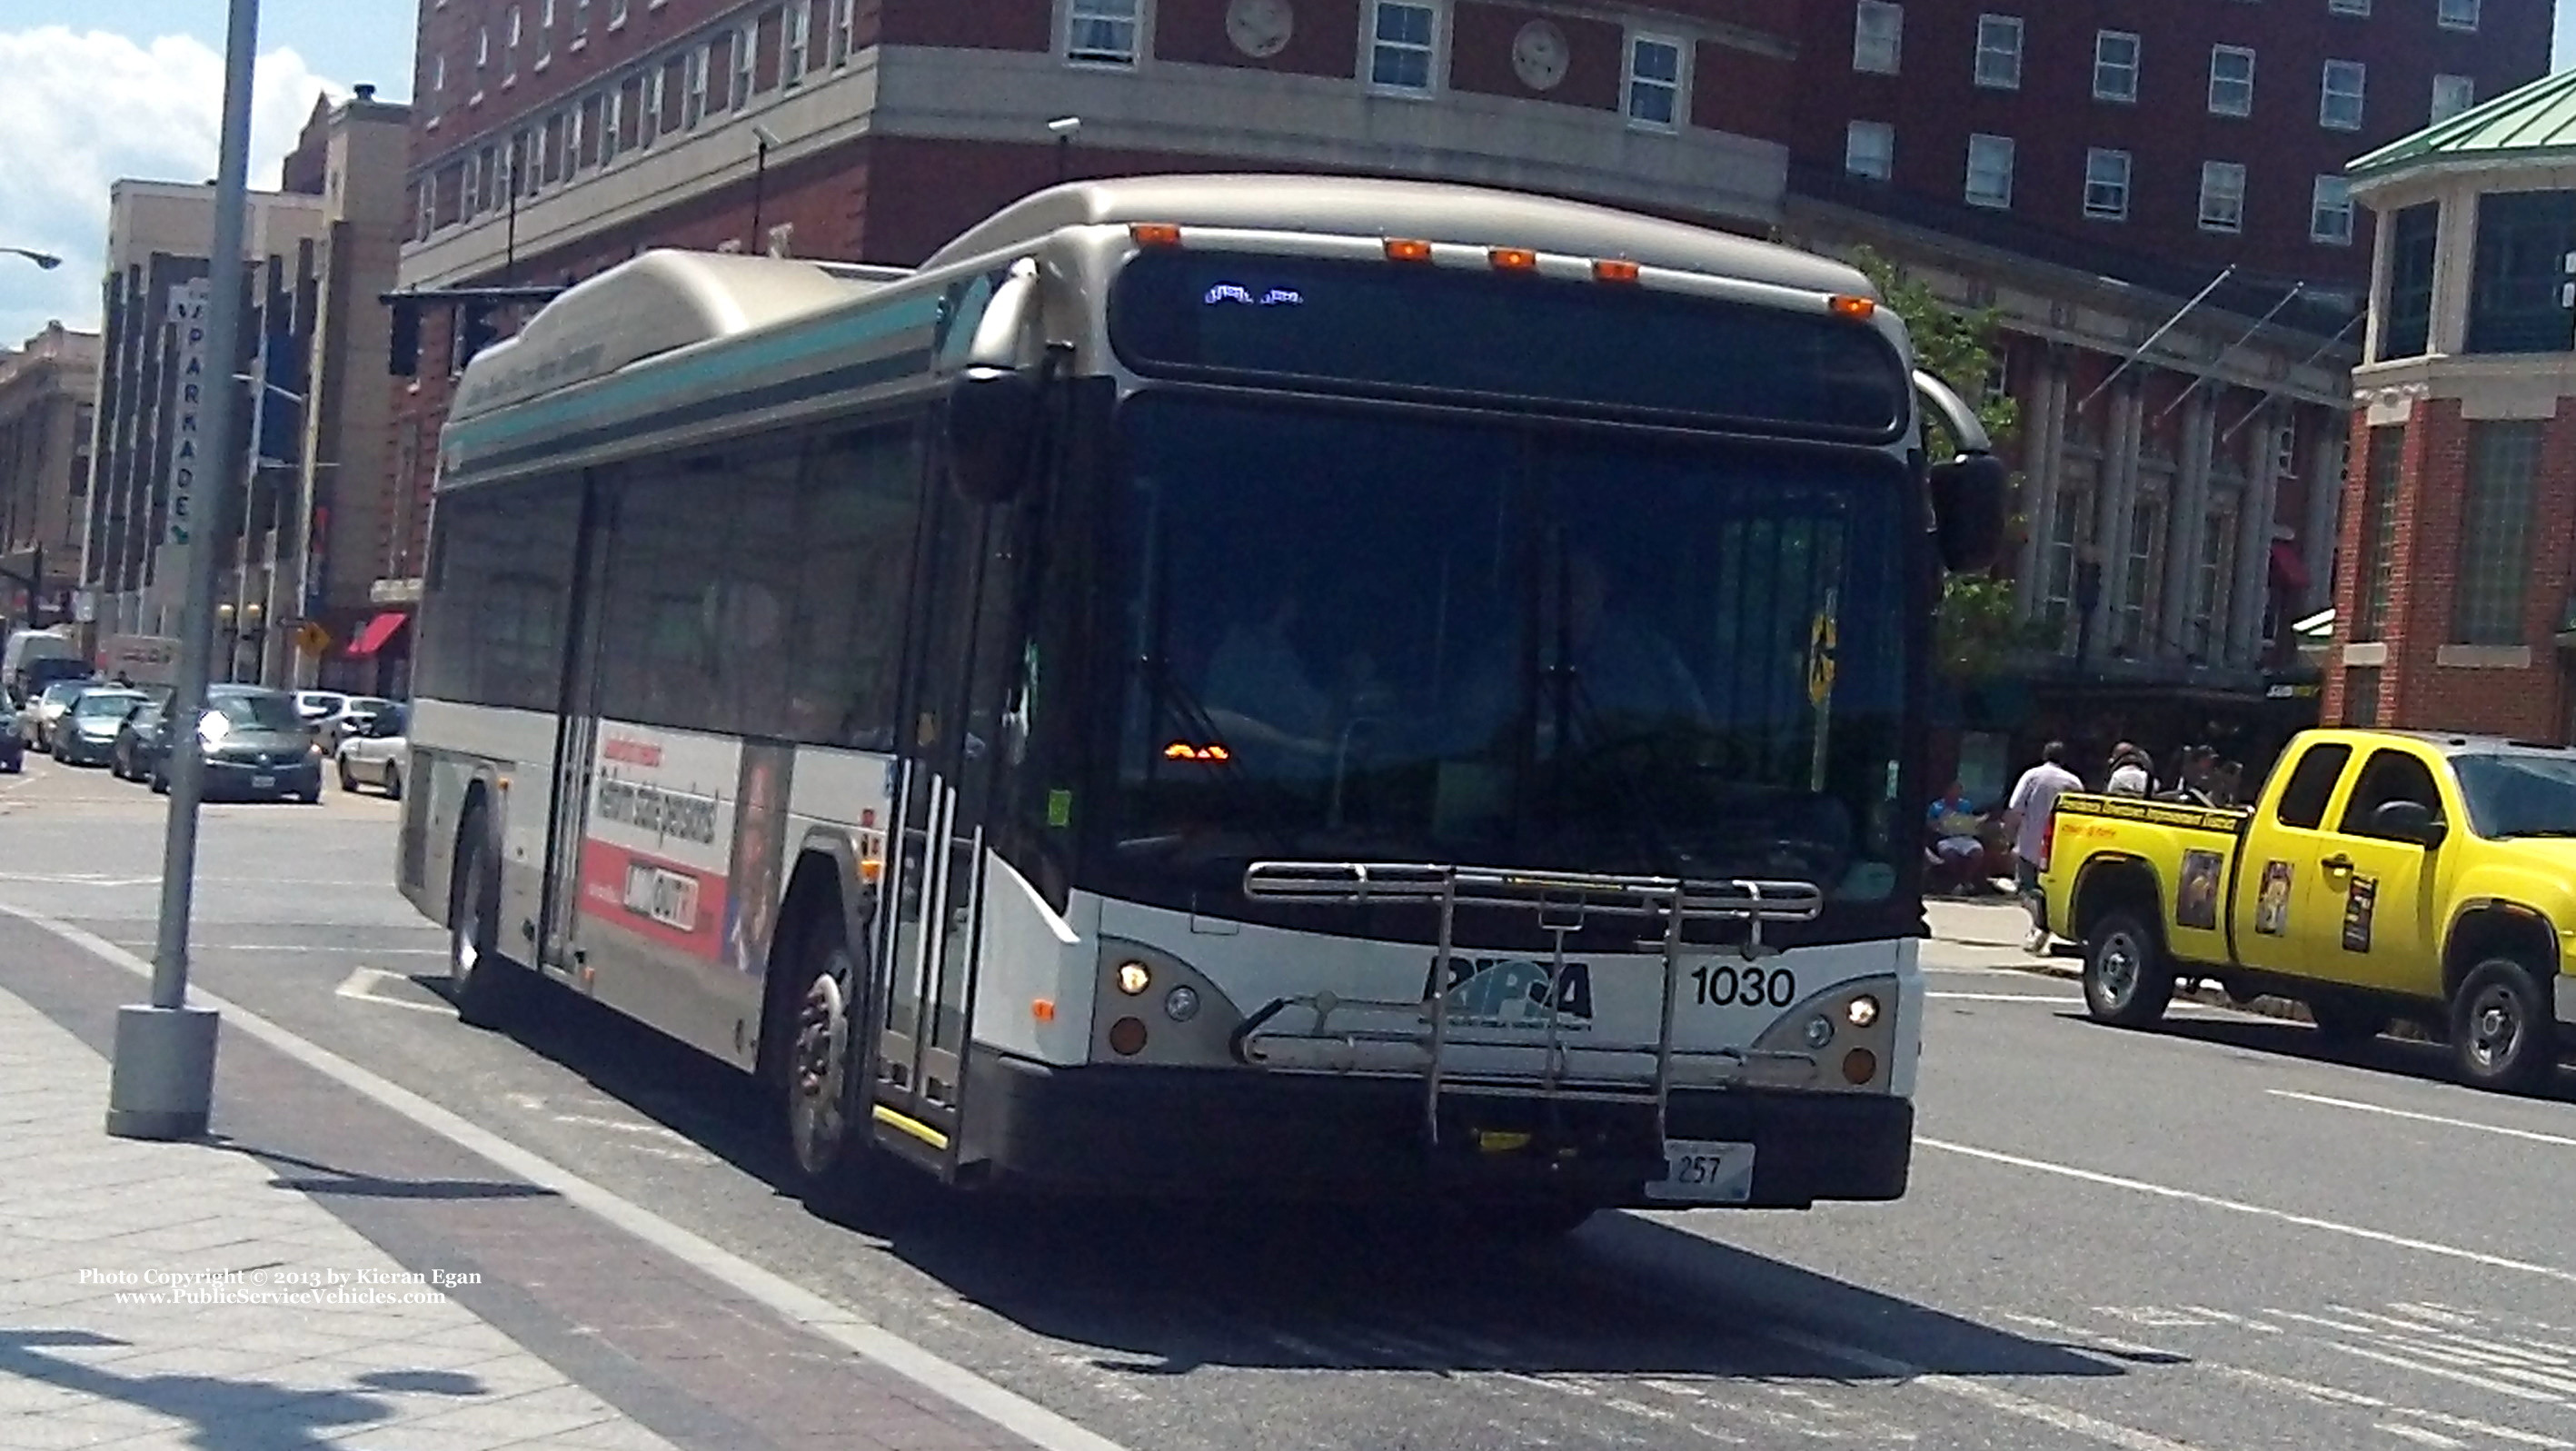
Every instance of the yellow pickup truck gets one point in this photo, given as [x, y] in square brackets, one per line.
[2382, 876]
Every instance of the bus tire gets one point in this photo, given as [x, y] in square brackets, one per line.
[2127, 981]
[482, 983]
[2503, 1036]
[823, 1099]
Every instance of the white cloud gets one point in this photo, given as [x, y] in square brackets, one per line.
[81, 110]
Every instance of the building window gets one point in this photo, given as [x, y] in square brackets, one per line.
[482, 49]
[1403, 40]
[1990, 171]
[798, 42]
[610, 125]
[2361, 697]
[2452, 95]
[844, 24]
[2231, 81]
[580, 23]
[438, 74]
[2065, 541]
[2330, 212]
[2339, 101]
[2495, 533]
[1654, 81]
[510, 56]
[1999, 52]
[550, 158]
[2106, 184]
[1869, 150]
[2115, 66]
[648, 119]
[1102, 32]
[2222, 196]
[2214, 591]
[2142, 590]
[2376, 576]
[2459, 14]
[738, 88]
[2347, 7]
[2515, 299]
[616, 14]
[2406, 330]
[1878, 37]
[693, 81]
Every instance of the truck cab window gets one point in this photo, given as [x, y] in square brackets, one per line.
[2312, 783]
[2390, 776]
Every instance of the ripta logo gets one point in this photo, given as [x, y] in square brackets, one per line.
[1514, 992]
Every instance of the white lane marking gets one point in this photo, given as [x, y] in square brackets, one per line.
[2477, 1427]
[2502, 1352]
[673, 1145]
[2259, 1211]
[2421, 1436]
[2003, 998]
[2484, 1383]
[2064, 1418]
[308, 947]
[362, 983]
[838, 1323]
[2527, 1135]
[2227, 1319]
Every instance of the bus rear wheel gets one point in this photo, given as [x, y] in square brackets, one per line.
[826, 1134]
[482, 983]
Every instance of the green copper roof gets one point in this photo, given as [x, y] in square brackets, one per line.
[2534, 123]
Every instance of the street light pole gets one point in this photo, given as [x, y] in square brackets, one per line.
[763, 139]
[163, 1079]
[46, 260]
[1065, 129]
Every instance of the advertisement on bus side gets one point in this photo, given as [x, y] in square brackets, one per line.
[660, 836]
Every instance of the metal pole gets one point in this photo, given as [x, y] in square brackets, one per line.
[164, 1068]
[759, 179]
[2157, 336]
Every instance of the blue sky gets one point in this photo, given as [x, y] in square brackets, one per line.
[90, 98]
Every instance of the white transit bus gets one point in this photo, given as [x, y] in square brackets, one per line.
[1256, 685]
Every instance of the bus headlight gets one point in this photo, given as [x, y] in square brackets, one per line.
[1181, 1004]
[1841, 1039]
[1153, 1007]
[1134, 978]
[1860, 1012]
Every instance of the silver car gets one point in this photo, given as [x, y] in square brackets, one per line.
[378, 752]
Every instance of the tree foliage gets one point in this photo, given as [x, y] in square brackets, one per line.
[1980, 626]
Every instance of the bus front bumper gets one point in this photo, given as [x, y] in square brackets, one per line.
[1221, 1132]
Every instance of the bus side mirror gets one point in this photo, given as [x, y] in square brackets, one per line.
[991, 417]
[1968, 506]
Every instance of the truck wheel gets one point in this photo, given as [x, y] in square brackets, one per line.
[2502, 1035]
[828, 1130]
[2343, 1023]
[2127, 981]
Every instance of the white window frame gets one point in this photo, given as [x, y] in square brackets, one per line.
[796, 44]
[2102, 40]
[2466, 99]
[1678, 87]
[844, 30]
[438, 74]
[1993, 29]
[1435, 54]
[648, 125]
[2222, 206]
[1076, 12]
[610, 101]
[617, 14]
[2347, 7]
[2457, 14]
[580, 25]
[693, 80]
[1995, 201]
[2330, 221]
[2231, 52]
[1878, 37]
[741, 68]
[1852, 150]
[2097, 161]
[2328, 95]
[482, 48]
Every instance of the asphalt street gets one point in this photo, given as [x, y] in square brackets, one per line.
[2212, 1235]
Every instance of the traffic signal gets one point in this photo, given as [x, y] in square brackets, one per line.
[475, 331]
[405, 349]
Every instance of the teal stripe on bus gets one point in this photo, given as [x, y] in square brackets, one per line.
[723, 361]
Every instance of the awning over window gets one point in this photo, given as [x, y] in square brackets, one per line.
[2288, 569]
[377, 633]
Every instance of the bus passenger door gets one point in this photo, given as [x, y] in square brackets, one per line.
[576, 737]
[958, 670]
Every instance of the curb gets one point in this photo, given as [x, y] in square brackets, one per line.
[2284, 1009]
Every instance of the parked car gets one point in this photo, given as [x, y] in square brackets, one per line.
[49, 707]
[139, 742]
[319, 705]
[348, 720]
[256, 745]
[86, 735]
[379, 754]
[13, 746]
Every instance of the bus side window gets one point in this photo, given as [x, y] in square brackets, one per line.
[857, 507]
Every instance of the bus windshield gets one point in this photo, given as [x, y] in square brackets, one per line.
[1350, 634]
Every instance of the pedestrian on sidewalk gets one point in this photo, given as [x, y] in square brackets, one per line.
[2130, 772]
[2034, 797]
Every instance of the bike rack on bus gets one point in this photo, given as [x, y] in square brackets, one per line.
[1417, 1039]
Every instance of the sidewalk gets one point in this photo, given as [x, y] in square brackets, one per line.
[325, 1272]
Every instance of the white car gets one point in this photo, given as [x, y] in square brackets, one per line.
[347, 718]
[378, 752]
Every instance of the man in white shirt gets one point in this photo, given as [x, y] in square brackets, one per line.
[2129, 773]
[2033, 798]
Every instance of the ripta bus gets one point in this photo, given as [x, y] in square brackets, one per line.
[1248, 685]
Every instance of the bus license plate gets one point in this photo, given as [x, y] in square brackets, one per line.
[262, 783]
[1704, 1171]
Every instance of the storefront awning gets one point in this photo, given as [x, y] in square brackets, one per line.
[2288, 569]
[377, 633]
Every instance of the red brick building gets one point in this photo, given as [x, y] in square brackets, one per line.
[2460, 513]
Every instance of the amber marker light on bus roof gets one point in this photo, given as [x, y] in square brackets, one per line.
[1858, 309]
[1154, 234]
[1399, 249]
[1614, 269]
[1513, 259]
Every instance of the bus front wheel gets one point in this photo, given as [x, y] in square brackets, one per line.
[824, 1131]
